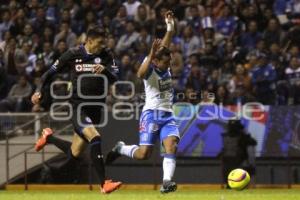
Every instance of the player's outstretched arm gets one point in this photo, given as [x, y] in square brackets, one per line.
[144, 68]
[46, 77]
[36, 97]
[170, 22]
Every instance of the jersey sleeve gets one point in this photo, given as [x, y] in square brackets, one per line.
[149, 71]
[111, 70]
[57, 66]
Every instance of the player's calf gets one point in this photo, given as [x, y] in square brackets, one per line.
[143, 153]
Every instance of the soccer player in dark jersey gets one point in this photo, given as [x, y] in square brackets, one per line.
[91, 67]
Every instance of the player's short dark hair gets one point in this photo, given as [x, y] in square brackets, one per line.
[95, 32]
[163, 51]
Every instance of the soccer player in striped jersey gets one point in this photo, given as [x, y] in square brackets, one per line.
[157, 119]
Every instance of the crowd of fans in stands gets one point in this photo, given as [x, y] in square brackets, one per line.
[240, 50]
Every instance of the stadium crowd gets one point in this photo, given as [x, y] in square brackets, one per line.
[240, 50]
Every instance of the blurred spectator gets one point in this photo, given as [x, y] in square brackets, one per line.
[48, 54]
[31, 58]
[5, 40]
[293, 78]
[250, 37]
[240, 79]
[6, 22]
[52, 11]
[65, 34]
[193, 19]
[3, 78]
[39, 22]
[263, 80]
[125, 66]
[73, 8]
[196, 80]
[127, 39]
[118, 24]
[222, 95]
[131, 7]
[176, 62]
[60, 48]
[189, 43]
[143, 17]
[226, 24]
[18, 97]
[209, 59]
[273, 33]
[15, 60]
[111, 7]
[226, 72]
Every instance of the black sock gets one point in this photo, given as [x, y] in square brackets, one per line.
[59, 143]
[70, 163]
[97, 157]
[71, 159]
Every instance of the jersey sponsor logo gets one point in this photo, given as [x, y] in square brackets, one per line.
[85, 67]
[115, 68]
[164, 85]
[97, 60]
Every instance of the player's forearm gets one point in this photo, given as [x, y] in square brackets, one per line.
[144, 67]
[167, 39]
[46, 78]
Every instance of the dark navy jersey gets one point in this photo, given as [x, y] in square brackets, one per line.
[86, 86]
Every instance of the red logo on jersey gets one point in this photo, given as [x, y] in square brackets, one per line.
[142, 127]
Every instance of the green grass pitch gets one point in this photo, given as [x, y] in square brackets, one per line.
[253, 194]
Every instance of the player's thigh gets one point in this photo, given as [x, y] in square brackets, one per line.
[83, 122]
[169, 136]
[148, 129]
[78, 145]
[90, 132]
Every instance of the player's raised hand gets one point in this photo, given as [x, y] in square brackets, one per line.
[169, 19]
[155, 45]
[36, 98]
[98, 69]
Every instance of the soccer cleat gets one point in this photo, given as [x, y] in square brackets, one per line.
[168, 186]
[114, 153]
[110, 186]
[42, 141]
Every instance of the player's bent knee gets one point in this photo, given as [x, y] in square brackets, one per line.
[171, 145]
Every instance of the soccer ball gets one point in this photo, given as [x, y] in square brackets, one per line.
[238, 179]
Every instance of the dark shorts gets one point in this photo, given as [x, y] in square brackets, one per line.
[85, 116]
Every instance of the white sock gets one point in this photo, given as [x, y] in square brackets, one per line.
[128, 150]
[169, 165]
